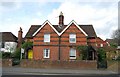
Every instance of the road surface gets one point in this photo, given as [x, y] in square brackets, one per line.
[34, 72]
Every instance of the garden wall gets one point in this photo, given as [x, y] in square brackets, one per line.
[6, 62]
[59, 64]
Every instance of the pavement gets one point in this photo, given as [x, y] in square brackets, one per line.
[49, 71]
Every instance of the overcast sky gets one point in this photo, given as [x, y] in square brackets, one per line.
[102, 14]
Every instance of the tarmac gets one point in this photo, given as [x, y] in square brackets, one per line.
[51, 71]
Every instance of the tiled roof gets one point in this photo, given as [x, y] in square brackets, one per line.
[8, 37]
[32, 30]
[87, 28]
[59, 29]
[111, 40]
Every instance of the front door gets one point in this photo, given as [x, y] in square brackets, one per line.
[30, 54]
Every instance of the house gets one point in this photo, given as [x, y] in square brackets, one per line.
[8, 42]
[59, 42]
[101, 42]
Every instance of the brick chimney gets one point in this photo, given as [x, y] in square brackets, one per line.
[20, 37]
[61, 20]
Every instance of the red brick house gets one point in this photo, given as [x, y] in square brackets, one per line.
[59, 42]
[101, 43]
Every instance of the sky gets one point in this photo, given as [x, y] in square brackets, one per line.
[102, 14]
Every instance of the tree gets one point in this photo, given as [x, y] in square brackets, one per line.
[84, 53]
[116, 36]
[26, 46]
[101, 54]
[17, 53]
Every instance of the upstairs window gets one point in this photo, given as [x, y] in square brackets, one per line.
[72, 38]
[46, 37]
[101, 45]
[46, 53]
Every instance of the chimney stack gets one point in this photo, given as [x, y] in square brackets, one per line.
[20, 37]
[61, 20]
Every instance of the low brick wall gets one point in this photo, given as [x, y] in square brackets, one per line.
[59, 64]
[6, 62]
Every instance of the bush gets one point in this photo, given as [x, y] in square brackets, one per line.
[101, 54]
[118, 58]
[6, 55]
[17, 54]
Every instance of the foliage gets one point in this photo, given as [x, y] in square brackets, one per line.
[114, 45]
[83, 50]
[101, 54]
[0, 54]
[17, 53]
[116, 34]
[6, 55]
[118, 58]
[27, 45]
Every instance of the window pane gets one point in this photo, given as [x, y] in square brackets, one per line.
[72, 38]
[46, 37]
[72, 53]
[46, 53]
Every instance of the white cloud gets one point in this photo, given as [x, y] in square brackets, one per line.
[9, 6]
[101, 18]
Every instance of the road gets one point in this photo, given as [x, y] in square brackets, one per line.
[34, 72]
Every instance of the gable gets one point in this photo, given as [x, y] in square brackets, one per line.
[73, 22]
[87, 30]
[46, 22]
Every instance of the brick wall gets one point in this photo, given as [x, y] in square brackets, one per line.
[80, 37]
[38, 52]
[59, 64]
[40, 45]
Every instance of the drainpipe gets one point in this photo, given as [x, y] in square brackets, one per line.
[59, 47]
[87, 47]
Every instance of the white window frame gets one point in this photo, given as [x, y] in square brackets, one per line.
[46, 52]
[71, 51]
[46, 37]
[101, 45]
[72, 36]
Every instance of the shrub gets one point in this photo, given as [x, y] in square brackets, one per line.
[17, 53]
[101, 54]
[6, 55]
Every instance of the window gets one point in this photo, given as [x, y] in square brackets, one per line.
[46, 53]
[46, 37]
[72, 38]
[72, 53]
[101, 45]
